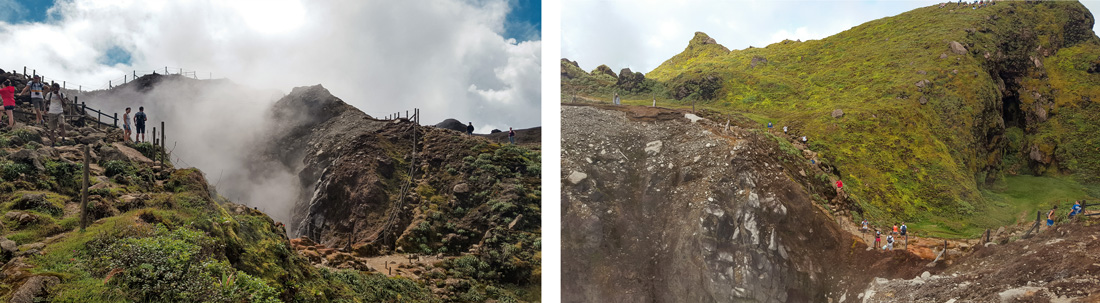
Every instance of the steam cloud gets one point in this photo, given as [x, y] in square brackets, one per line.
[447, 57]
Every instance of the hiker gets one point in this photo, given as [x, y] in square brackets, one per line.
[784, 129]
[56, 115]
[616, 99]
[1050, 216]
[139, 122]
[878, 238]
[864, 224]
[904, 229]
[511, 136]
[470, 129]
[803, 139]
[769, 125]
[36, 88]
[895, 229]
[1076, 209]
[839, 184]
[889, 243]
[126, 124]
[8, 94]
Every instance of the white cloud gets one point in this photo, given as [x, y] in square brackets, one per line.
[380, 56]
[642, 34]
[447, 57]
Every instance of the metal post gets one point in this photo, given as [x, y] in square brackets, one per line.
[116, 120]
[109, 86]
[124, 79]
[62, 84]
[154, 141]
[84, 191]
[135, 74]
[24, 72]
[165, 70]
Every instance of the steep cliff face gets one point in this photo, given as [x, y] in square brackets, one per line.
[366, 193]
[662, 206]
[938, 102]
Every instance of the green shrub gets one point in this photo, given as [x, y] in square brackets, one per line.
[116, 167]
[14, 170]
[177, 266]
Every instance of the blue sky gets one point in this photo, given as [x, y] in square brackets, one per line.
[640, 34]
[524, 21]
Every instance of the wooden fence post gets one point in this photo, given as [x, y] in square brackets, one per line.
[154, 141]
[164, 151]
[116, 120]
[84, 191]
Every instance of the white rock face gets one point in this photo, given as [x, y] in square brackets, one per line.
[693, 117]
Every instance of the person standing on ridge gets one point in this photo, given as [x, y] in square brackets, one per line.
[126, 124]
[878, 238]
[784, 129]
[139, 122]
[470, 129]
[616, 99]
[56, 115]
[1076, 209]
[36, 87]
[905, 233]
[511, 136]
[895, 229]
[864, 224]
[8, 94]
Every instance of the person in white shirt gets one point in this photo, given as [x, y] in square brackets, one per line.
[56, 115]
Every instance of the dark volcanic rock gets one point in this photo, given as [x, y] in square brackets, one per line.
[452, 124]
[630, 81]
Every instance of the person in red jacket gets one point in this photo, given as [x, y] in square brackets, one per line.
[8, 94]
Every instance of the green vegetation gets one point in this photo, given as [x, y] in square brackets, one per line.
[928, 135]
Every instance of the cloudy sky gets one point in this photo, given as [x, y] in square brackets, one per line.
[467, 59]
[641, 34]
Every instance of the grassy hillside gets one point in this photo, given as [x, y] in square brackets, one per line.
[926, 127]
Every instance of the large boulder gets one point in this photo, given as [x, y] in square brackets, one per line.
[957, 48]
[630, 81]
[452, 124]
[34, 288]
[28, 157]
[132, 154]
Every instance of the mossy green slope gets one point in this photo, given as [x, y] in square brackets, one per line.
[925, 126]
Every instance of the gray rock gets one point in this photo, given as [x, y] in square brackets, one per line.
[8, 246]
[923, 100]
[576, 177]
[943, 56]
[461, 188]
[923, 83]
[93, 138]
[29, 157]
[957, 47]
[653, 147]
[35, 287]
[110, 153]
[838, 113]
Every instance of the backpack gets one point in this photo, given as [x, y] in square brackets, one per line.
[890, 239]
[903, 229]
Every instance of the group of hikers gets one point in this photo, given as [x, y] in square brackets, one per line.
[49, 104]
[511, 132]
[1075, 210]
[139, 122]
[902, 231]
[44, 98]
